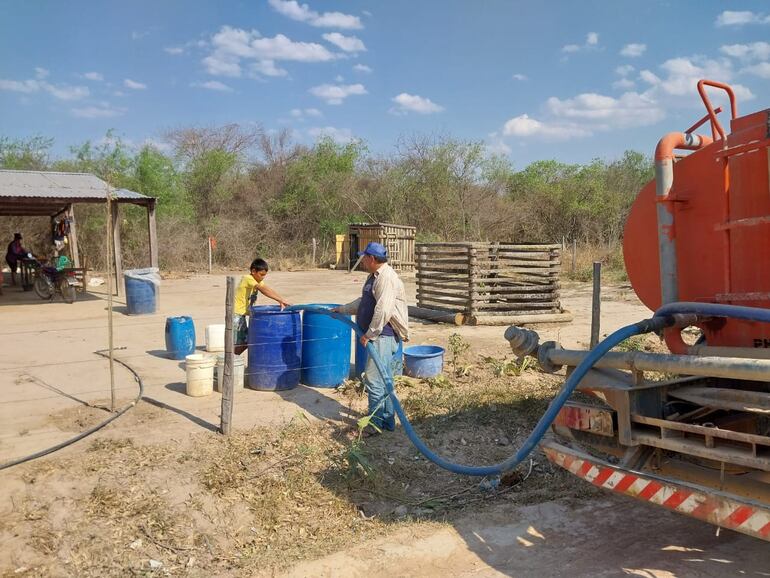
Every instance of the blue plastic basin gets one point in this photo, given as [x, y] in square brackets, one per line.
[423, 360]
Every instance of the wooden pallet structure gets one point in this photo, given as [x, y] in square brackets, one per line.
[491, 283]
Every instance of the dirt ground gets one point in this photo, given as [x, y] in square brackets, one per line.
[77, 512]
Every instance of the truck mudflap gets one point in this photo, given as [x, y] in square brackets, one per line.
[721, 509]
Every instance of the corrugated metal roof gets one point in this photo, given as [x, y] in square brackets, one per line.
[58, 185]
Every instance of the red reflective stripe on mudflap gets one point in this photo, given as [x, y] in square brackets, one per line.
[584, 469]
[739, 516]
[649, 491]
[603, 476]
[723, 511]
[678, 497]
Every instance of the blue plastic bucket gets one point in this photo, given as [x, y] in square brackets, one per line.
[180, 337]
[275, 347]
[423, 360]
[140, 296]
[362, 356]
[325, 349]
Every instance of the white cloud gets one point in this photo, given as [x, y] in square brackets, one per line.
[523, 126]
[222, 65]
[414, 103]
[337, 93]
[346, 43]
[754, 51]
[30, 86]
[362, 68]
[339, 135]
[103, 110]
[213, 85]
[25, 86]
[303, 113]
[520, 77]
[41, 73]
[95, 76]
[232, 45]
[631, 109]
[303, 13]
[624, 84]
[633, 50]
[740, 17]
[591, 43]
[681, 76]
[133, 84]
[624, 69]
[339, 78]
[267, 68]
[138, 34]
[175, 50]
[496, 145]
[65, 92]
[762, 69]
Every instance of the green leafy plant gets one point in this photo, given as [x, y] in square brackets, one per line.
[458, 346]
[505, 366]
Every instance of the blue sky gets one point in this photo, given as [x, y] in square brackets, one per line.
[533, 80]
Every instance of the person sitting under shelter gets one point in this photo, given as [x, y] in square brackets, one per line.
[15, 253]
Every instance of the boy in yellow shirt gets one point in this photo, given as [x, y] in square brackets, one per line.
[245, 296]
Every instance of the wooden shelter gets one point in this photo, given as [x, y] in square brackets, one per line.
[54, 194]
[490, 282]
[398, 239]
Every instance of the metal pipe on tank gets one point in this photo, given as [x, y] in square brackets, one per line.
[664, 181]
[553, 357]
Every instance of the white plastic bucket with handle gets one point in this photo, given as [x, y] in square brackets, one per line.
[238, 371]
[215, 338]
[200, 374]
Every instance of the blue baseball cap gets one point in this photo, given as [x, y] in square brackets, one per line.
[375, 250]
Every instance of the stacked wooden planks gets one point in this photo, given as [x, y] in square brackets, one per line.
[484, 280]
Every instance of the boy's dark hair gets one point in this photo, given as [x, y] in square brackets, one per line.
[380, 259]
[259, 265]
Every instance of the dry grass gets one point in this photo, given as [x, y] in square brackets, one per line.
[260, 500]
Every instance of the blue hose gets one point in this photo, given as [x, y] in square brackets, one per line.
[715, 310]
[542, 426]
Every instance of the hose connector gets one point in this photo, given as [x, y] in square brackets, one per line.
[523, 341]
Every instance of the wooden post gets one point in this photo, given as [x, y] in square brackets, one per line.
[597, 304]
[153, 234]
[110, 345]
[574, 256]
[227, 370]
[473, 269]
[315, 243]
[117, 252]
[72, 238]
[208, 245]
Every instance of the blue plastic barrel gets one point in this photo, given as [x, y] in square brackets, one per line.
[423, 360]
[180, 337]
[275, 347]
[362, 356]
[325, 349]
[140, 296]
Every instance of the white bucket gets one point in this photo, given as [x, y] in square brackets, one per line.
[238, 371]
[215, 337]
[200, 374]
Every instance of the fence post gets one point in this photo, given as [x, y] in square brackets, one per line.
[315, 244]
[227, 370]
[596, 307]
[574, 256]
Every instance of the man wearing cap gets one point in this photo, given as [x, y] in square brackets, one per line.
[382, 314]
[15, 253]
